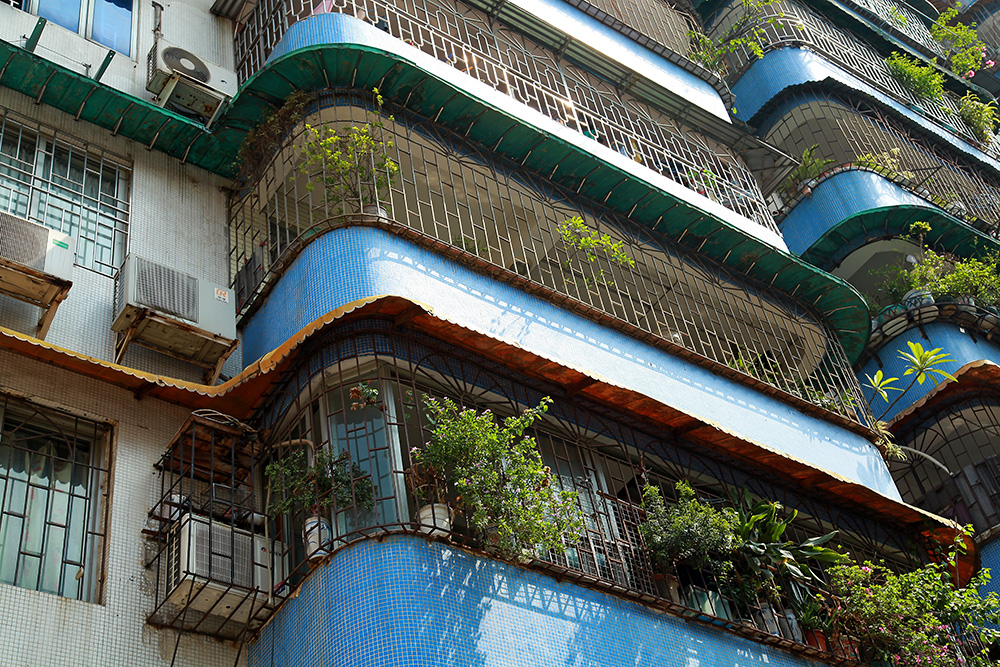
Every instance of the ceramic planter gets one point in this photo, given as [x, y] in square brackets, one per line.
[434, 519]
[316, 534]
[816, 639]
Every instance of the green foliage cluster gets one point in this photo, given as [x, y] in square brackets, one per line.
[495, 472]
[263, 140]
[914, 618]
[352, 165]
[688, 532]
[945, 275]
[577, 235]
[921, 80]
[330, 480]
[748, 31]
[809, 167]
[886, 162]
[965, 51]
[980, 116]
[922, 364]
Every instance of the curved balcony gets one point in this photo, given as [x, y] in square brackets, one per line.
[490, 214]
[582, 80]
[967, 332]
[804, 47]
[593, 450]
[953, 467]
[850, 206]
[849, 132]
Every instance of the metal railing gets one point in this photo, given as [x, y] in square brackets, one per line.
[480, 47]
[452, 197]
[854, 132]
[795, 25]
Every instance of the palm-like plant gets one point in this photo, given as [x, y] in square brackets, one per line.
[923, 365]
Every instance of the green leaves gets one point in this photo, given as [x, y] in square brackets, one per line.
[881, 384]
[922, 80]
[980, 116]
[923, 363]
[748, 32]
[577, 235]
[965, 51]
[330, 480]
[496, 473]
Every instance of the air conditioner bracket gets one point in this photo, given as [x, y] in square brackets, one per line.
[208, 350]
[35, 287]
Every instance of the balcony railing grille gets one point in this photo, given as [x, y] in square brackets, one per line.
[795, 25]
[499, 215]
[508, 62]
[845, 131]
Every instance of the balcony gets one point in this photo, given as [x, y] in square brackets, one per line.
[577, 87]
[851, 205]
[856, 133]
[487, 213]
[593, 450]
[796, 26]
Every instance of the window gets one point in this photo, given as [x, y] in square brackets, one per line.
[51, 516]
[107, 22]
[60, 182]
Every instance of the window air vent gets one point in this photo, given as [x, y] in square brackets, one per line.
[22, 241]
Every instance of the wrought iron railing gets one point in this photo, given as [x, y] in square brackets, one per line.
[854, 132]
[901, 18]
[795, 25]
[655, 19]
[482, 48]
[482, 211]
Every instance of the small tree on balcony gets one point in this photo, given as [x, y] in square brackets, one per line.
[921, 80]
[965, 52]
[748, 31]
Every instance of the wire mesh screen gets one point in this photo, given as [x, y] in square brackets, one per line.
[450, 193]
[510, 63]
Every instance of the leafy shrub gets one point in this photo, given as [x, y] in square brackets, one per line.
[921, 80]
[965, 52]
[981, 117]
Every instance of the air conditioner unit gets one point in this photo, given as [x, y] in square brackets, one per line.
[190, 311]
[33, 258]
[185, 82]
[219, 570]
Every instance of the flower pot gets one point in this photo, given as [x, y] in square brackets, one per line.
[434, 519]
[373, 213]
[816, 639]
[966, 304]
[668, 587]
[765, 620]
[316, 534]
[790, 627]
[921, 301]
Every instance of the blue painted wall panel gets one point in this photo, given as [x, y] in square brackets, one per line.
[838, 198]
[945, 335]
[352, 263]
[408, 602]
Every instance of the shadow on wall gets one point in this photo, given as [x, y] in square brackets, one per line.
[406, 601]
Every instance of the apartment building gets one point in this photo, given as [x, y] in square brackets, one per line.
[560, 202]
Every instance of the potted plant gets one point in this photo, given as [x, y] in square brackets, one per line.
[318, 480]
[912, 618]
[495, 473]
[693, 535]
[809, 168]
[814, 621]
[352, 166]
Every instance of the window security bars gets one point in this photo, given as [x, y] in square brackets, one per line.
[53, 518]
[796, 25]
[451, 193]
[56, 180]
[661, 22]
[210, 552]
[511, 64]
[955, 469]
[846, 130]
[591, 449]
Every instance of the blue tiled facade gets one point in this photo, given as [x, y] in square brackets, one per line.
[406, 602]
[951, 338]
[345, 265]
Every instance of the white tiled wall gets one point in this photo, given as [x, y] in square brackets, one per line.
[41, 629]
[178, 218]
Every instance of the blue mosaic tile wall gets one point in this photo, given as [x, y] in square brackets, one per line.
[348, 264]
[408, 602]
[948, 336]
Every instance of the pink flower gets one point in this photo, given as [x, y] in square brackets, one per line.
[970, 74]
[990, 63]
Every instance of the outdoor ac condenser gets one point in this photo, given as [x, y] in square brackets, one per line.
[219, 570]
[35, 246]
[183, 300]
[186, 82]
